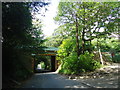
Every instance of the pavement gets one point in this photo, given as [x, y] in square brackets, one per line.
[106, 77]
[52, 80]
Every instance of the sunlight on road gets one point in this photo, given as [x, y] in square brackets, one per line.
[75, 86]
[46, 73]
[114, 66]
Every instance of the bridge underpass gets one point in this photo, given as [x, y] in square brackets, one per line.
[51, 52]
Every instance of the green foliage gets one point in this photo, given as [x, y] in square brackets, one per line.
[44, 61]
[16, 24]
[58, 36]
[52, 41]
[107, 44]
[88, 63]
[42, 65]
[18, 32]
[116, 58]
[86, 20]
[18, 65]
[72, 65]
[67, 46]
[85, 26]
[69, 65]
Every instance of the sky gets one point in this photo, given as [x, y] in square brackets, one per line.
[48, 23]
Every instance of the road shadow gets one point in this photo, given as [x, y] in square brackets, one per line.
[42, 71]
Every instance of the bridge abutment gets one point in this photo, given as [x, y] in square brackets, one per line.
[53, 63]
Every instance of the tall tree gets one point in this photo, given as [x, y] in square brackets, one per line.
[87, 18]
[17, 31]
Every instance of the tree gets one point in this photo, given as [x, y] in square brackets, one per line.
[57, 37]
[17, 31]
[87, 21]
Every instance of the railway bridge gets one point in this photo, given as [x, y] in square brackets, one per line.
[48, 51]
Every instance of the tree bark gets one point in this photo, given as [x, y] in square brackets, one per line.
[83, 34]
[83, 42]
[101, 59]
[77, 40]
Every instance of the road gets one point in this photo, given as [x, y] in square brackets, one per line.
[52, 80]
[106, 77]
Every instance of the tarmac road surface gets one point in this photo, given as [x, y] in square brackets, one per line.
[52, 80]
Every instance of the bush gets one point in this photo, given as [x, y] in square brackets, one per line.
[87, 63]
[74, 65]
[116, 58]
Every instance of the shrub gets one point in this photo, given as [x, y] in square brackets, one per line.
[74, 65]
[87, 63]
[116, 58]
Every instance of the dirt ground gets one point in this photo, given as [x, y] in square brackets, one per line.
[105, 77]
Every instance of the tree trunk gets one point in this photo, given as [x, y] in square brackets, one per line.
[77, 40]
[83, 34]
[83, 46]
[101, 59]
